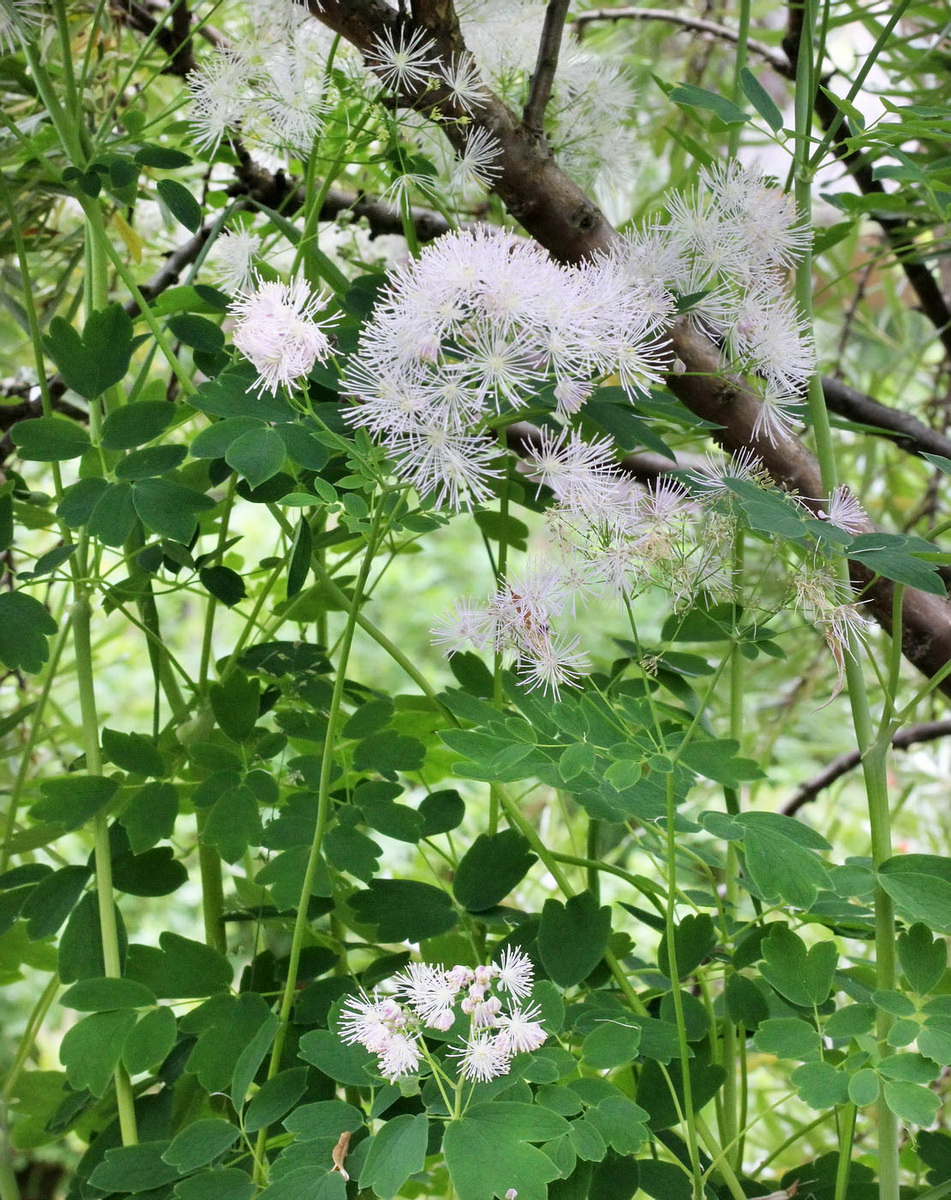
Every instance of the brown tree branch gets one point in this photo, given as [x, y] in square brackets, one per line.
[928, 731]
[723, 33]
[904, 429]
[546, 64]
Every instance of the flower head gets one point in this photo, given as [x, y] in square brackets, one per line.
[403, 62]
[277, 330]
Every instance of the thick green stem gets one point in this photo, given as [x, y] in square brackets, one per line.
[873, 750]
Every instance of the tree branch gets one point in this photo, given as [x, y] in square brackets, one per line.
[546, 64]
[928, 731]
[904, 429]
[723, 33]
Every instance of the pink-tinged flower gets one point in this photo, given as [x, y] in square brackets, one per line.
[481, 1058]
[845, 511]
[402, 63]
[430, 991]
[401, 1057]
[468, 626]
[554, 664]
[368, 1022]
[277, 330]
[520, 1031]
[515, 973]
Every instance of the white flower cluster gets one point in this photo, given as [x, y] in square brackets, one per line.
[474, 328]
[277, 330]
[733, 240]
[269, 84]
[427, 996]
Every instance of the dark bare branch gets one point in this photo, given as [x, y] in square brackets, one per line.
[546, 65]
[928, 731]
[723, 33]
[903, 428]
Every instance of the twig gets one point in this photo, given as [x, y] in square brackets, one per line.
[777, 61]
[546, 64]
[928, 731]
[904, 429]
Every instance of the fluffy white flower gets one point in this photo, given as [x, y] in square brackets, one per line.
[19, 19]
[404, 63]
[482, 1058]
[233, 259]
[520, 1031]
[845, 511]
[277, 330]
[463, 82]
[477, 167]
[515, 973]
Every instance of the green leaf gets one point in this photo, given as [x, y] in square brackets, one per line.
[395, 1153]
[180, 968]
[760, 99]
[180, 203]
[218, 1184]
[387, 752]
[441, 811]
[801, 976]
[573, 937]
[716, 759]
[325, 1119]
[95, 361]
[887, 554]
[162, 158]
[135, 424]
[251, 1057]
[491, 868]
[225, 585]
[920, 885]
[864, 1087]
[24, 627]
[150, 462]
[611, 1044]
[768, 510]
[303, 1183]
[621, 1123]
[133, 752]
[105, 995]
[52, 900]
[851, 1021]
[157, 872]
[352, 851]
[403, 910]
[687, 95]
[236, 705]
[257, 455]
[275, 1098]
[233, 823]
[113, 515]
[150, 1042]
[150, 815]
[911, 1102]
[820, 1084]
[49, 439]
[352, 1066]
[80, 947]
[90, 1049]
[79, 501]
[227, 396]
[71, 800]
[200, 1143]
[169, 509]
[197, 332]
[694, 939]
[488, 1151]
[787, 1037]
[779, 864]
[133, 1169]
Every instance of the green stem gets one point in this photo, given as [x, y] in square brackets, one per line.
[323, 810]
[846, 1136]
[739, 62]
[873, 751]
[719, 1159]
[670, 930]
[82, 641]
